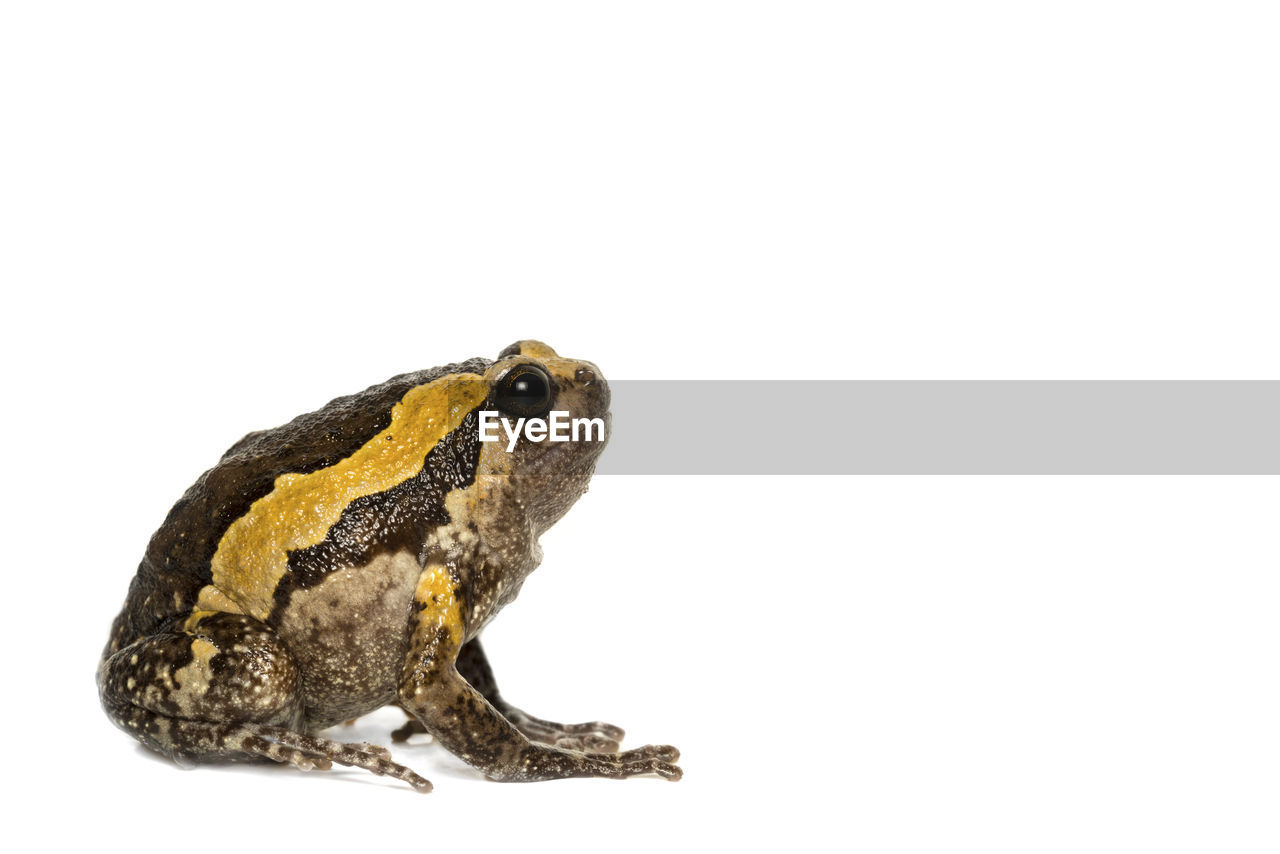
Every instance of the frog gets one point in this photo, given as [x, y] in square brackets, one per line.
[350, 560]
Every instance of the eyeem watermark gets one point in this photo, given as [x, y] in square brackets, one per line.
[558, 428]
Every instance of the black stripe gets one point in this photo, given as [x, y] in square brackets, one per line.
[398, 519]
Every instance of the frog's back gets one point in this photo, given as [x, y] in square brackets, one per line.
[178, 560]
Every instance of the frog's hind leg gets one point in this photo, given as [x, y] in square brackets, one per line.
[188, 741]
[224, 688]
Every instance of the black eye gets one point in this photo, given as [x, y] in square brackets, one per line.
[525, 391]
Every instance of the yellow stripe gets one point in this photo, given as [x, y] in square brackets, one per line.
[442, 605]
[252, 555]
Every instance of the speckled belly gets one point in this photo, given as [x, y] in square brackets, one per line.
[349, 636]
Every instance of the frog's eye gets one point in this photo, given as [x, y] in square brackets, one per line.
[524, 391]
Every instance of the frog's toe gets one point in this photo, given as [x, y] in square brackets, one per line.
[310, 752]
[668, 771]
[376, 749]
[303, 762]
[664, 752]
[591, 737]
[593, 743]
[597, 728]
[651, 759]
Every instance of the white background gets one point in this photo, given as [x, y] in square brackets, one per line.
[216, 217]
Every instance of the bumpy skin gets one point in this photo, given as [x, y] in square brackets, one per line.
[348, 560]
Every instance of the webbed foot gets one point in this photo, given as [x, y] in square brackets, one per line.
[592, 737]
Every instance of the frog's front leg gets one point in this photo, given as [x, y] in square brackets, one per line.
[459, 716]
[473, 665]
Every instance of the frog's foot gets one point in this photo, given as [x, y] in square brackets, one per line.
[593, 737]
[540, 762]
[651, 759]
[312, 752]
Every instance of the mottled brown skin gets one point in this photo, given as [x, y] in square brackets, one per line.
[386, 608]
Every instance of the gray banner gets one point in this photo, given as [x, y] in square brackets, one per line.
[944, 427]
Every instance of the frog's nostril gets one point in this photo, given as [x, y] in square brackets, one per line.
[586, 376]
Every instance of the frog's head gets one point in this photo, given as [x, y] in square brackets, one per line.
[545, 422]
